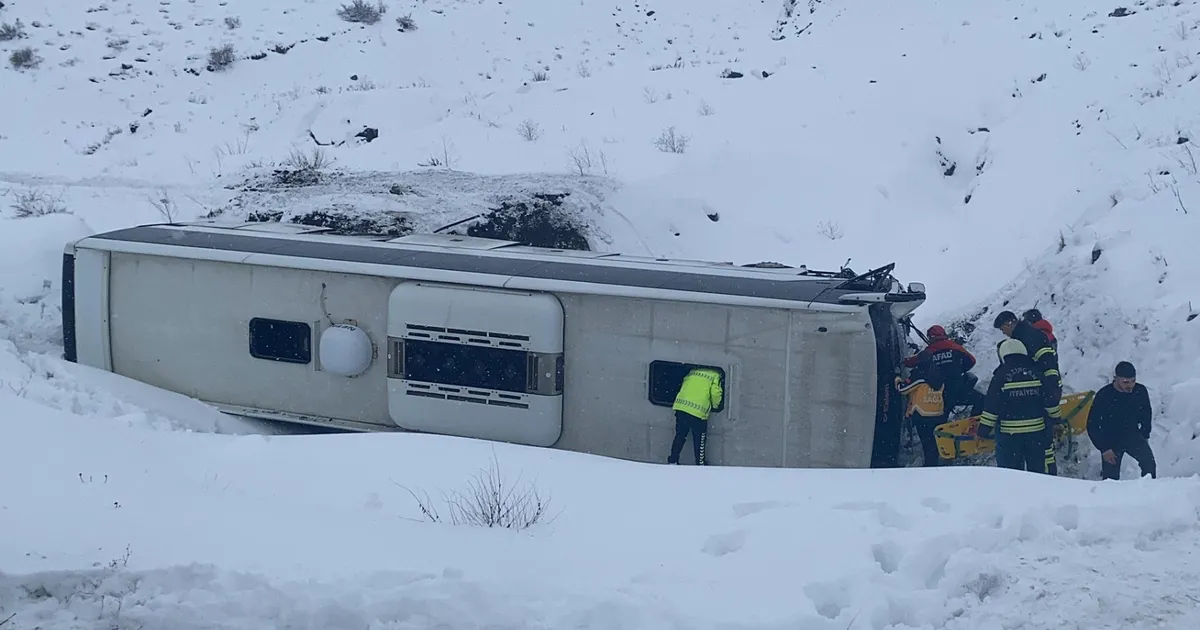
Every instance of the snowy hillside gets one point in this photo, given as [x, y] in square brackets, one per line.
[1007, 154]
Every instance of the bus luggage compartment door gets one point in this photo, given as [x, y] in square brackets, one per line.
[476, 362]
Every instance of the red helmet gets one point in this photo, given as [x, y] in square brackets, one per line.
[936, 332]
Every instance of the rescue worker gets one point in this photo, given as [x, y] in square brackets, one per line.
[1119, 423]
[698, 395]
[954, 362]
[1053, 429]
[925, 408]
[1035, 319]
[1045, 358]
[1014, 407]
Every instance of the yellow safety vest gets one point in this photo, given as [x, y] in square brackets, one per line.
[700, 392]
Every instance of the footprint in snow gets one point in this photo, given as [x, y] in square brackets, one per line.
[830, 599]
[888, 516]
[936, 504]
[1067, 517]
[888, 555]
[723, 544]
[746, 509]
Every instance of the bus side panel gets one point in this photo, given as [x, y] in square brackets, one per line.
[832, 382]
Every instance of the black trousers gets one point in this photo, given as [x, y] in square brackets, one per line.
[1022, 451]
[925, 427]
[1051, 451]
[1138, 448]
[687, 423]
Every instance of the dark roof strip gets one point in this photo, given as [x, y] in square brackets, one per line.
[571, 270]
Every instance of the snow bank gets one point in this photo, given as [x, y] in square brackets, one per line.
[628, 544]
[31, 367]
[30, 277]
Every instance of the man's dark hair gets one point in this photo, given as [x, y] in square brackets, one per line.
[1003, 318]
[1125, 369]
[1032, 315]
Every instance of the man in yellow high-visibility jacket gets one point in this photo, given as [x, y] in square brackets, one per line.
[700, 393]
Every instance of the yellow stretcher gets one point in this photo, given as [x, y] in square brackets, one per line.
[957, 439]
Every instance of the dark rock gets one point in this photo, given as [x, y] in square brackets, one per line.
[126, 66]
[323, 38]
[766, 74]
[768, 265]
[296, 178]
[1041, 77]
[147, 112]
[731, 74]
[368, 134]
[344, 220]
[650, 14]
[1121, 12]
[537, 222]
[258, 56]
[1096, 251]
[133, 127]
[354, 77]
[1182, 140]
[281, 49]
[713, 216]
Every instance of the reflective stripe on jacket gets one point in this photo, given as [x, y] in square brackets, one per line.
[700, 392]
[1014, 399]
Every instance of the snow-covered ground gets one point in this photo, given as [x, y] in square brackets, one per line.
[1007, 154]
[211, 531]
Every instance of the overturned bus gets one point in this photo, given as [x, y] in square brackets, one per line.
[494, 340]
